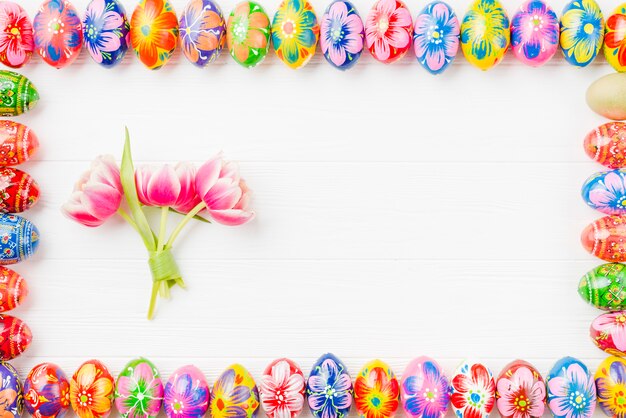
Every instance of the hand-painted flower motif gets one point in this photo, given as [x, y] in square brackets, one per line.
[485, 33]
[329, 388]
[472, 391]
[186, 394]
[606, 192]
[58, 33]
[534, 33]
[16, 35]
[611, 386]
[106, 30]
[615, 39]
[154, 32]
[139, 390]
[282, 389]
[582, 31]
[436, 36]
[520, 391]
[248, 34]
[342, 34]
[608, 332]
[234, 394]
[19, 240]
[388, 30]
[47, 391]
[11, 392]
[376, 391]
[17, 94]
[91, 390]
[295, 32]
[571, 390]
[202, 32]
[424, 389]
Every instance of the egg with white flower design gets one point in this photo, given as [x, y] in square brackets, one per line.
[329, 377]
[282, 389]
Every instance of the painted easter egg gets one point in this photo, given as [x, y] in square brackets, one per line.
[18, 41]
[12, 390]
[202, 32]
[604, 287]
[234, 394]
[154, 32]
[91, 390]
[106, 30]
[606, 192]
[582, 31]
[13, 289]
[615, 39]
[282, 389]
[341, 34]
[608, 333]
[424, 389]
[139, 390]
[534, 33]
[610, 386]
[248, 34]
[58, 33]
[18, 190]
[376, 391]
[18, 143]
[15, 337]
[606, 238]
[607, 96]
[520, 391]
[187, 394]
[436, 35]
[607, 144]
[485, 34]
[47, 391]
[17, 94]
[329, 374]
[388, 30]
[19, 239]
[472, 390]
[295, 32]
[571, 389]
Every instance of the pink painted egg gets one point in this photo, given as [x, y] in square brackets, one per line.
[187, 394]
[58, 33]
[388, 30]
[18, 41]
[520, 391]
[607, 332]
[534, 33]
[424, 389]
[282, 377]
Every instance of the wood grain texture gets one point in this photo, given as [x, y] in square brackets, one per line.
[399, 214]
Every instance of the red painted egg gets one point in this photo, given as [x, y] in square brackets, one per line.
[18, 143]
[520, 391]
[607, 144]
[608, 332]
[18, 190]
[13, 289]
[606, 238]
[15, 337]
[47, 391]
[282, 376]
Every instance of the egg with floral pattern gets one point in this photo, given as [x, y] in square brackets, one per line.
[610, 379]
[534, 33]
[424, 389]
[47, 391]
[342, 34]
[472, 390]
[520, 390]
[606, 192]
[154, 32]
[436, 35]
[608, 333]
[329, 374]
[202, 32]
[615, 39]
[15, 337]
[388, 30]
[13, 289]
[18, 143]
[571, 389]
[605, 238]
[91, 390]
[17, 41]
[19, 239]
[248, 34]
[187, 394]
[58, 33]
[485, 34]
[17, 94]
[582, 32]
[295, 32]
[282, 389]
[234, 394]
[604, 287]
[106, 32]
[139, 390]
[12, 391]
[606, 144]
[376, 391]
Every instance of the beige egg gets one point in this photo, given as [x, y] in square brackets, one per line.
[607, 96]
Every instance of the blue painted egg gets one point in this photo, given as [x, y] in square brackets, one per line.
[582, 31]
[571, 389]
[202, 32]
[329, 373]
[19, 239]
[105, 30]
[47, 391]
[436, 35]
[342, 34]
[606, 192]
[11, 388]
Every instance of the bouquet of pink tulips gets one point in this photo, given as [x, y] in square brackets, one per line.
[213, 192]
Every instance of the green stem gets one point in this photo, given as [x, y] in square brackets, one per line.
[153, 298]
[128, 219]
[184, 222]
[162, 230]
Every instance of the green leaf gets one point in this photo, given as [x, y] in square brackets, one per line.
[127, 174]
[197, 217]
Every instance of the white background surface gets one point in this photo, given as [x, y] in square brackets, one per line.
[399, 214]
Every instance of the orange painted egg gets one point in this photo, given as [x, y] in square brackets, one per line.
[13, 289]
[18, 143]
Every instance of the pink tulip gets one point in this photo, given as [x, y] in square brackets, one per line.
[97, 195]
[187, 198]
[226, 196]
[157, 186]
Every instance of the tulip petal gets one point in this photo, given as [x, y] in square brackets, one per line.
[100, 200]
[207, 175]
[163, 187]
[231, 217]
[223, 195]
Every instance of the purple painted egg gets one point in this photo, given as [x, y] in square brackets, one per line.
[534, 33]
[47, 391]
[202, 32]
[106, 31]
[187, 393]
[422, 380]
